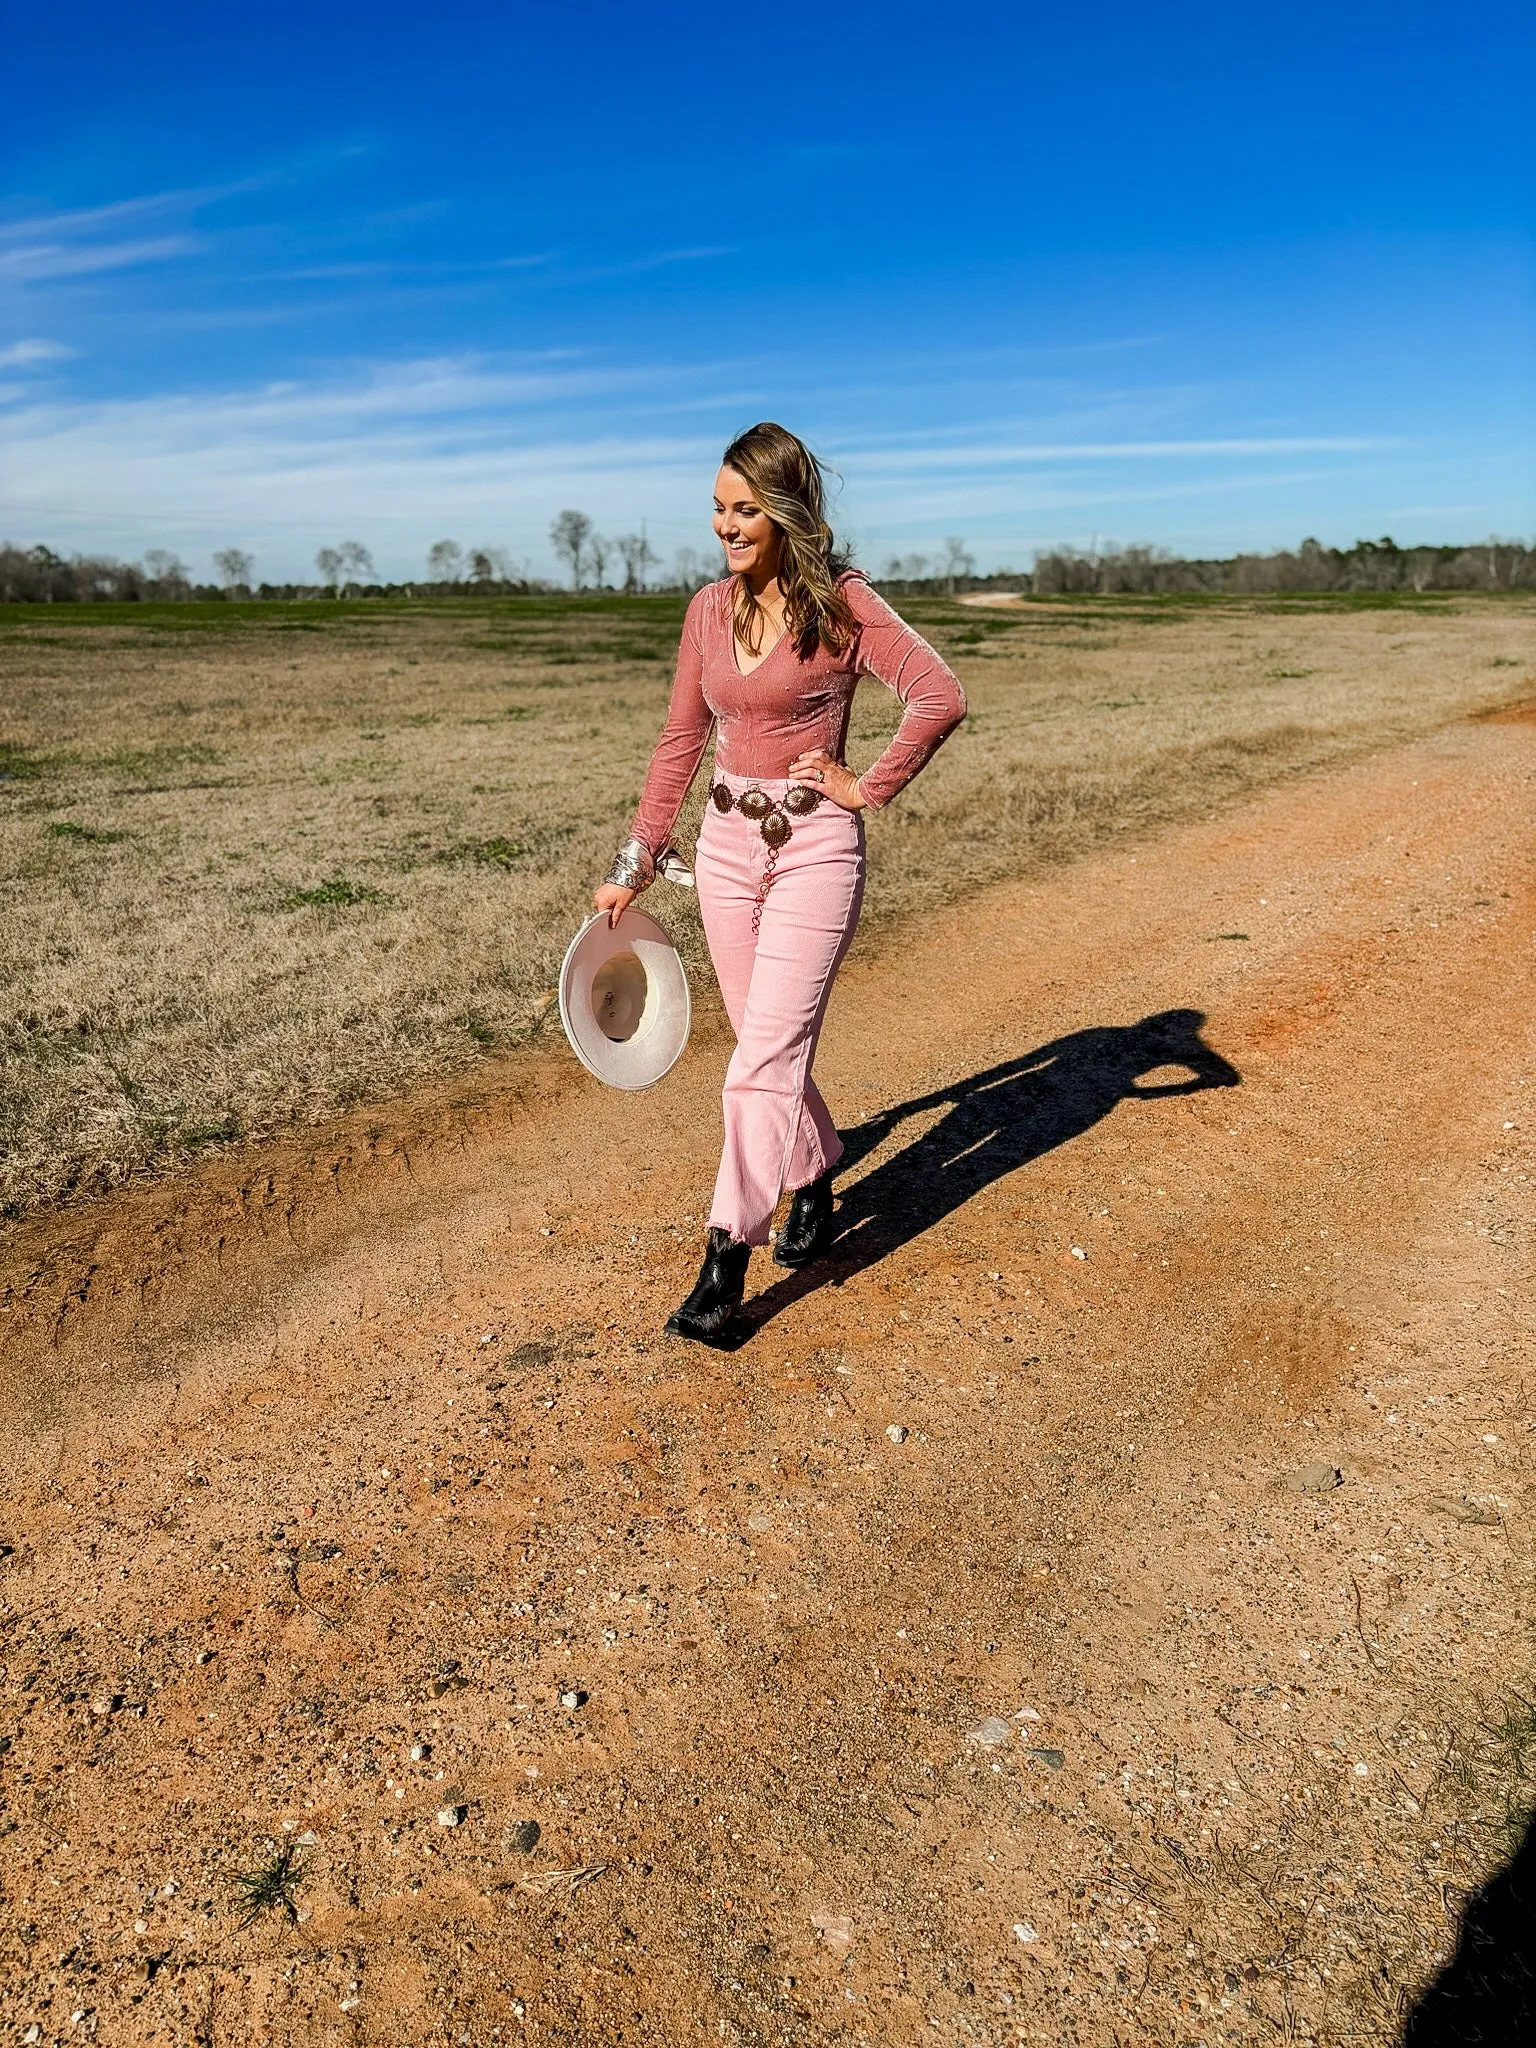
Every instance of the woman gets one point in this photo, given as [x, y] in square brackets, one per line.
[771, 656]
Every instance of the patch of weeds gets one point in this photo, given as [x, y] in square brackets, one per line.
[481, 1032]
[220, 1132]
[1493, 1764]
[19, 763]
[489, 853]
[83, 835]
[158, 760]
[337, 894]
[272, 1887]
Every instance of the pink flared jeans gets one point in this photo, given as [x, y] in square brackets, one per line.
[776, 982]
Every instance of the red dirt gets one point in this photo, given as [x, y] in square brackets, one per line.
[396, 1401]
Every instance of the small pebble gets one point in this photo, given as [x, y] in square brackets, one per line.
[206, 1656]
[523, 1838]
[1078, 1252]
[1053, 1759]
[989, 1734]
[572, 1698]
[1022, 1931]
[896, 1433]
[420, 1751]
[450, 1816]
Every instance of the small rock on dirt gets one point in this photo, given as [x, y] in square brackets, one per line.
[1053, 1759]
[450, 1816]
[1474, 1513]
[1022, 1931]
[835, 1929]
[574, 1697]
[522, 1838]
[989, 1734]
[1318, 1478]
[896, 1432]
[449, 1679]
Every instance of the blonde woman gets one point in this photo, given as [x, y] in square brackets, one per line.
[769, 661]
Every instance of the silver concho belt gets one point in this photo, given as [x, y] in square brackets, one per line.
[772, 819]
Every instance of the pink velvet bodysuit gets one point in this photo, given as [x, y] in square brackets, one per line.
[787, 706]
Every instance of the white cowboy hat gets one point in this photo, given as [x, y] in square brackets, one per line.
[624, 1000]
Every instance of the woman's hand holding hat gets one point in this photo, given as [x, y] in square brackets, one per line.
[832, 778]
[614, 900]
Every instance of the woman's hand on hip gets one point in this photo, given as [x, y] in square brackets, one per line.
[831, 777]
[614, 900]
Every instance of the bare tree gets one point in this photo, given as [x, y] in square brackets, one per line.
[568, 537]
[637, 555]
[356, 562]
[164, 568]
[957, 561]
[234, 566]
[445, 561]
[691, 569]
[599, 548]
[488, 565]
[328, 566]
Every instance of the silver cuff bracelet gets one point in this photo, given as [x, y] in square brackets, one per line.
[633, 867]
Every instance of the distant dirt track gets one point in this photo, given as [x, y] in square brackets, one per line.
[984, 1653]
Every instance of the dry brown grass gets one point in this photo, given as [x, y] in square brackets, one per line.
[267, 861]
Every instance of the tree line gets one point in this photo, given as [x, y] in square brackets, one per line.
[38, 575]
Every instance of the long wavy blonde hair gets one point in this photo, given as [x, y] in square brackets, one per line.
[789, 483]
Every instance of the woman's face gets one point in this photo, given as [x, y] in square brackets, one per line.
[748, 535]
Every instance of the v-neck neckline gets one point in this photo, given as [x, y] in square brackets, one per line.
[744, 673]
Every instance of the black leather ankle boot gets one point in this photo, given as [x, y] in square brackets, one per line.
[807, 1229]
[717, 1292]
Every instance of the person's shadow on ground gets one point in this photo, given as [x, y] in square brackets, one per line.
[1485, 1997]
[992, 1124]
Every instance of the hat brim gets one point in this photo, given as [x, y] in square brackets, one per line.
[624, 1000]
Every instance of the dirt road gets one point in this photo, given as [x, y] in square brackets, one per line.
[1073, 1616]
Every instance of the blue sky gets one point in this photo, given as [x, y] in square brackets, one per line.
[1213, 278]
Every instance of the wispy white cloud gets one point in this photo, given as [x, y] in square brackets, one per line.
[489, 448]
[991, 455]
[90, 219]
[21, 355]
[80, 259]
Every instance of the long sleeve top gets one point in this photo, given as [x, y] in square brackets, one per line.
[787, 706]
